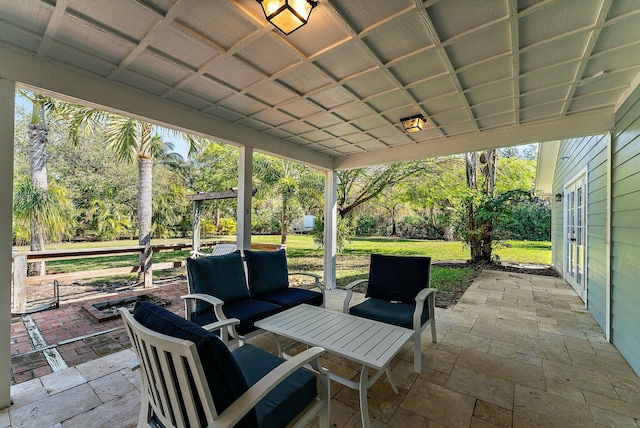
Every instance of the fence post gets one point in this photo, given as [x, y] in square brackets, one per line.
[19, 283]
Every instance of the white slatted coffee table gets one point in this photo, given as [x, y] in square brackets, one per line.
[370, 343]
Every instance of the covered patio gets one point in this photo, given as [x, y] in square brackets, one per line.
[517, 350]
[332, 95]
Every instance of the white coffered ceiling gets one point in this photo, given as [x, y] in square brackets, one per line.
[485, 73]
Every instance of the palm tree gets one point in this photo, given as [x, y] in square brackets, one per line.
[131, 140]
[38, 138]
[286, 179]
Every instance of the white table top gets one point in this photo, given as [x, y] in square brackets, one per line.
[367, 342]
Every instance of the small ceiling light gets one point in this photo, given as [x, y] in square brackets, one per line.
[287, 15]
[413, 123]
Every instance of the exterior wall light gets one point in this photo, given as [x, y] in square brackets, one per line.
[287, 15]
[559, 197]
[413, 123]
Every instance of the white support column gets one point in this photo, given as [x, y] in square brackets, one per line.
[245, 187]
[7, 100]
[330, 228]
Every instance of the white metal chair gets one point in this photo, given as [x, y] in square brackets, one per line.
[247, 387]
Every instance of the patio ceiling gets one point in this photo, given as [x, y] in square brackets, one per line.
[487, 73]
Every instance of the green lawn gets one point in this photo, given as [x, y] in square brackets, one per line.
[303, 255]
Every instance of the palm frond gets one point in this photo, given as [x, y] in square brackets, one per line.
[122, 135]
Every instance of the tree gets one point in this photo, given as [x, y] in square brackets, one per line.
[480, 204]
[436, 193]
[214, 168]
[39, 187]
[284, 179]
[46, 208]
[358, 186]
[131, 140]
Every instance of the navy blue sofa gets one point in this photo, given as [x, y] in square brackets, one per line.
[219, 288]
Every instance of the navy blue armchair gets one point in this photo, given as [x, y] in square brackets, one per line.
[398, 293]
[191, 379]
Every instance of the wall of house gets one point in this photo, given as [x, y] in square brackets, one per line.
[625, 231]
[591, 152]
[573, 156]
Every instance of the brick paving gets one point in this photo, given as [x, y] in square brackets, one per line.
[68, 327]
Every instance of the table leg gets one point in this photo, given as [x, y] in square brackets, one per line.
[393, 384]
[364, 405]
[280, 352]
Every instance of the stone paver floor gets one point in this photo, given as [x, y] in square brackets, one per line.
[517, 350]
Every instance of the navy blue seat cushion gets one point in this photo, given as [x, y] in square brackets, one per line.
[400, 314]
[398, 278]
[291, 297]
[267, 271]
[224, 376]
[248, 311]
[219, 276]
[286, 400]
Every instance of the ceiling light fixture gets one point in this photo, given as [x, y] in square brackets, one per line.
[287, 15]
[413, 123]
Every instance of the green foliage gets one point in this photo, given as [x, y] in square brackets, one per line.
[344, 233]
[515, 174]
[494, 217]
[371, 225]
[227, 226]
[418, 227]
[450, 279]
[528, 219]
[49, 209]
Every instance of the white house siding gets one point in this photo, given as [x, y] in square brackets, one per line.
[625, 234]
[574, 155]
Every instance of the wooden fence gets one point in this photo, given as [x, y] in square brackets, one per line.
[20, 281]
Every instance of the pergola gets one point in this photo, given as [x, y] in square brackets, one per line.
[484, 74]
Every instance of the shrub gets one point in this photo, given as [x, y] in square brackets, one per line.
[371, 225]
[227, 226]
[417, 227]
[344, 233]
[529, 219]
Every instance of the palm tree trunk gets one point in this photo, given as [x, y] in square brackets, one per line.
[283, 223]
[38, 134]
[145, 180]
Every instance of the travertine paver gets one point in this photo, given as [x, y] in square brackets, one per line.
[517, 350]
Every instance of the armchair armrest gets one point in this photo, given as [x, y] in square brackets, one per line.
[229, 323]
[189, 300]
[212, 300]
[349, 288]
[249, 399]
[229, 331]
[422, 296]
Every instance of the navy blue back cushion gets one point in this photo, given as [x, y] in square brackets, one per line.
[219, 276]
[223, 374]
[267, 271]
[398, 278]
